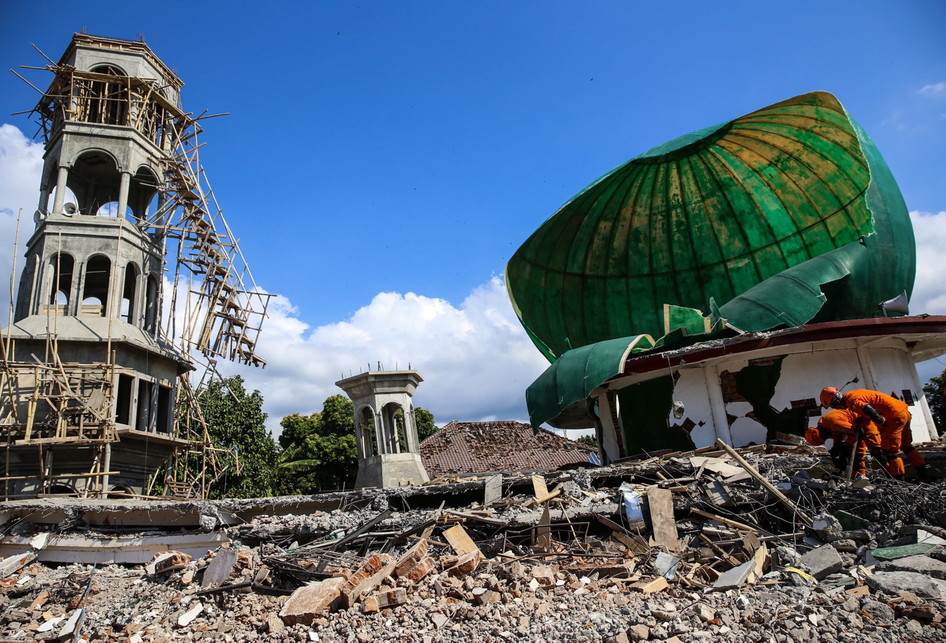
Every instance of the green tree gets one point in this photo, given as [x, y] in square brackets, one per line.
[424, 420]
[319, 449]
[588, 441]
[235, 421]
[936, 398]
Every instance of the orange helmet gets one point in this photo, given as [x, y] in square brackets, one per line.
[830, 396]
[813, 437]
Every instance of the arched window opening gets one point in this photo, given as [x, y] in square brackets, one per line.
[63, 266]
[107, 98]
[95, 293]
[394, 419]
[129, 290]
[110, 210]
[151, 305]
[142, 190]
[69, 198]
[59, 489]
[369, 440]
[95, 179]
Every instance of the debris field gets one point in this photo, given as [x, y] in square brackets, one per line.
[760, 544]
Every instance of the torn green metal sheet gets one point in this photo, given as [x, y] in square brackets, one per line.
[902, 551]
[577, 373]
[783, 216]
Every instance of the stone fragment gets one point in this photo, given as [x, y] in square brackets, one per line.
[187, 617]
[895, 582]
[544, 576]
[822, 561]
[275, 624]
[919, 564]
[312, 600]
[638, 632]
[736, 576]
[439, 619]
[484, 596]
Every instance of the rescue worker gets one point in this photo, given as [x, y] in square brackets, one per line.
[849, 434]
[893, 422]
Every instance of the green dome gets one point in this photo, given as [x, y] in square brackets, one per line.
[764, 215]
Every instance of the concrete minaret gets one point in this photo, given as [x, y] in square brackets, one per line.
[385, 431]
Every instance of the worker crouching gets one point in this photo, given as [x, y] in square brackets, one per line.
[850, 437]
[892, 418]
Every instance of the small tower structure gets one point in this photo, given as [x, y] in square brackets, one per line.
[385, 428]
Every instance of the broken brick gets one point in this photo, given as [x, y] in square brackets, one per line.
[465, 564]
[373, 571]
[411, 558]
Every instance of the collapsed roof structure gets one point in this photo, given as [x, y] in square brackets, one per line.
[760, 253]
[95, 394]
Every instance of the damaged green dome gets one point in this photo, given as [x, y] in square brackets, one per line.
[781, 217]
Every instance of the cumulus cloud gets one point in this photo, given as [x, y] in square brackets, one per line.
[475, 358]
[21, 163]
[935, 89]
[929, 295]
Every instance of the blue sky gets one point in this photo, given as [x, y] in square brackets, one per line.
[383, 160]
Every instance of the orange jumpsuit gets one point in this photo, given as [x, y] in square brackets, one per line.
[844, 425]
[895, 433]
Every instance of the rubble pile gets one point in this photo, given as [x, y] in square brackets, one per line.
[763, 544]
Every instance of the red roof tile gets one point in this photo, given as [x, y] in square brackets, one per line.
[483, 447]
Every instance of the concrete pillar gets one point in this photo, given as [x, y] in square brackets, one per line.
[123, 194]
[61, 181]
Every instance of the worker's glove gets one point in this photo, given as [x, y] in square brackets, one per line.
[880, 455]
[840, 454]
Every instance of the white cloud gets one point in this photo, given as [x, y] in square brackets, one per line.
[476, 359]
[935, 89]
[21, 163]
[929, 296]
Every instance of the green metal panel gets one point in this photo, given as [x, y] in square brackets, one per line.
[762, 216]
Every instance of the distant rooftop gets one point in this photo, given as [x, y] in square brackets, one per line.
[485, 447]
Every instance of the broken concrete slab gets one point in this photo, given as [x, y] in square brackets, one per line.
[822, 561]
[311, 601]
[919, 564]
[896, 582]
[219, 568]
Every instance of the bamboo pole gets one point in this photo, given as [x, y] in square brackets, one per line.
[765, 483]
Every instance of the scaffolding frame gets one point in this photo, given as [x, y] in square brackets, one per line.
[214, 311]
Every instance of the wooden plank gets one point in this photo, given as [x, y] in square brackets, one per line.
[538, 485]
[543, 533]
[765, 483]
[460, 540]
[660, 502]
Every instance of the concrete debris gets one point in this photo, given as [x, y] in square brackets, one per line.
[704, 551]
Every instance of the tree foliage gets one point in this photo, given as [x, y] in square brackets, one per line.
[235, 421]
[936, 398]
[588, 441]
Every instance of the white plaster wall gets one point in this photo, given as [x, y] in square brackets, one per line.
[895, 372]
[691, 389]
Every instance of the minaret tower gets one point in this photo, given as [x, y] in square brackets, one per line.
[385, 429]
[88, 309]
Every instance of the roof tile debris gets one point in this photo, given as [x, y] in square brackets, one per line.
[484, 447]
